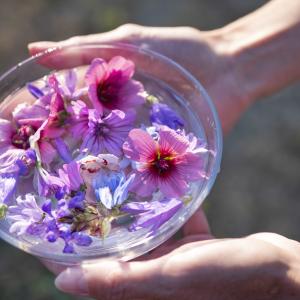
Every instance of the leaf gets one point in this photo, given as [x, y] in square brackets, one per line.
[3, 210]
[105, 227]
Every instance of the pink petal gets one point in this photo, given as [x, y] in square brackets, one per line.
[191, 167]
[130, 95]
[170, 141]
[173, 186]
[118, 118]
[139, 146]
[121, 64]
[92, 92]
[48, 152]
[144, 184]
[96, 72]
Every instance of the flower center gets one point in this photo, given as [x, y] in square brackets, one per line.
[162, 164]
[21, 138]
[108, 90]
[101, 129]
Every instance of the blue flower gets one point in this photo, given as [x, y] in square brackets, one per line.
[111, 188]
[162, 114]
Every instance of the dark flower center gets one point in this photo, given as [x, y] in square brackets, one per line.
[101, 129]
[21, 138]
[108, 90]
[163, 164]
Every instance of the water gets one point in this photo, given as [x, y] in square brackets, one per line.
[120, 242]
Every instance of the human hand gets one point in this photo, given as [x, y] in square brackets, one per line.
[261, 266]
[204, 54]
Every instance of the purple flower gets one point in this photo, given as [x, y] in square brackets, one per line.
[20, 166]
[77, 201]
[110, 85]
[108, 133]
[70, 176]
[111, 188]
[162, 114]
[46, 183]
[166, 164]
[27, 217]
[152, 214]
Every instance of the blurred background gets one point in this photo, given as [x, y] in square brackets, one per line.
[259, 185]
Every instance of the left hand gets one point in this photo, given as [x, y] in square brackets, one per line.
[260, 266]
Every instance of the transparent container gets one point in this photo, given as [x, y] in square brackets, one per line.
[164, 79]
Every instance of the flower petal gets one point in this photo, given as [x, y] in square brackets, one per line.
[139, 146]
[171, 142]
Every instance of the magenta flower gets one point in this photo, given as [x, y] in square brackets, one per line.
[110, 85]
[108, 133]
[166, 164]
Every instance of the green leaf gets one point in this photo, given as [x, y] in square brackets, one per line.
[3, 210]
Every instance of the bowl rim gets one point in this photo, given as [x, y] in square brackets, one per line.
[143, 49]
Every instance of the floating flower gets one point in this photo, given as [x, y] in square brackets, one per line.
[162, 114]
[27, 216]
[108, 133]
[165, 164]
[20, 166]
[152, 214]
[111, 188]
[110, 85]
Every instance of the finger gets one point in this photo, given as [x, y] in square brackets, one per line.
[197, 225]
[112, 280]
[61, 56]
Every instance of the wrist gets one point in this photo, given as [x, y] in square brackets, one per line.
[264, 49]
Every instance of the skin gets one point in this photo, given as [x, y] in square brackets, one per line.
[238, 64]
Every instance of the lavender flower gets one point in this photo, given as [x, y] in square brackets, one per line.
[27, 217]
[162, 114]
[20, 166]
[152, 214]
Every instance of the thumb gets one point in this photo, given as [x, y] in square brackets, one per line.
[112, 280]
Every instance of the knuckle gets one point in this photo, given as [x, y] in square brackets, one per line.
[131, 31]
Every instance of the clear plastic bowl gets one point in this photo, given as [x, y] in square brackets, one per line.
[161, 77]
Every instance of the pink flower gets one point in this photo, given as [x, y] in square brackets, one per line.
[166, 164]
[51, 129]
[107, 133]
[110, 85]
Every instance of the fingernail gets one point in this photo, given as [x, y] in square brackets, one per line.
[41, 45]
[72, 281]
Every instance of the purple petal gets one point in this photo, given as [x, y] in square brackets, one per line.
[162, 114]
[63, 150]
[71, 80]
[35, 91]
[81, 239]
[7, 188]
[68, 249]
